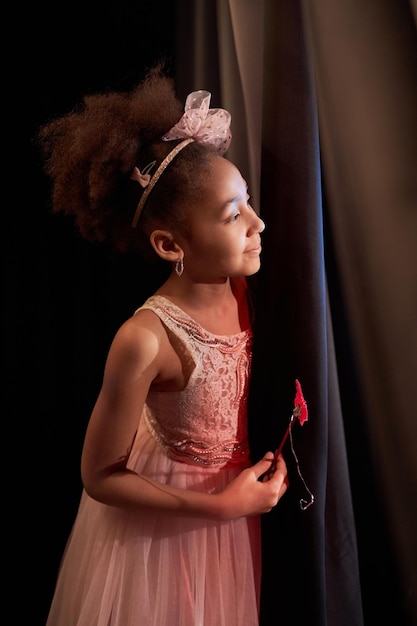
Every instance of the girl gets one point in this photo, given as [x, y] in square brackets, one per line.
[167, 532]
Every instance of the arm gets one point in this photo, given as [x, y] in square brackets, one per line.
[138, 357]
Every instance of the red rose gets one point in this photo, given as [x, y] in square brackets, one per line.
[300, 405]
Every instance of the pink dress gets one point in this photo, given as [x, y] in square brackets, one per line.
[146, 569]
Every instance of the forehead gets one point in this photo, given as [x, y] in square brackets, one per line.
[222, 187]
[222, 176]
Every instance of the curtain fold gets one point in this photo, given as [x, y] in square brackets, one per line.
[310, 570]
[365, 60]
[247, 20]
[264, 79]
[223, 49]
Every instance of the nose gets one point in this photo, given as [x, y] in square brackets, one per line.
[259, 225]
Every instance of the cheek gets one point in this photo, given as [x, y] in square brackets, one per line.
[201, 239]
[210, 243]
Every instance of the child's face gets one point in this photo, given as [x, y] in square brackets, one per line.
[223, 234]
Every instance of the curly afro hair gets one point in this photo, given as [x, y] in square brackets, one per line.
[91, 152]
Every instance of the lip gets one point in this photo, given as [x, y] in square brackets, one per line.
[254, 251]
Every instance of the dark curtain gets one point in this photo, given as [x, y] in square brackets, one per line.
[310, 557]
[351, 557]
[365, 65]
[327, 141]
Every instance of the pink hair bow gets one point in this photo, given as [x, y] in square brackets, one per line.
[204, 125]
[143, 177]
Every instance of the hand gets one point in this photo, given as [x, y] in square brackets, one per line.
[248, 495]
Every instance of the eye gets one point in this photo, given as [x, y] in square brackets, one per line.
[234, 218]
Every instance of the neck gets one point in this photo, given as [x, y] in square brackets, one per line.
[219, 307]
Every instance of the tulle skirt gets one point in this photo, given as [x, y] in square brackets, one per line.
[150, 569]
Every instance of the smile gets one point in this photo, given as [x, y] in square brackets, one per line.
[254, 251]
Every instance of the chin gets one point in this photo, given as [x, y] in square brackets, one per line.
[253, 270]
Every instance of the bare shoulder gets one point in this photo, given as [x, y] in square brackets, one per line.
[142, 348]
[139, 337]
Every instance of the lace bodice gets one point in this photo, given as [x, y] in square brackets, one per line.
[206, 422]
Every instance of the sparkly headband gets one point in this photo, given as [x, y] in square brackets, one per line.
[198, 123]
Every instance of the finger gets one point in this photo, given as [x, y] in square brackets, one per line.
[280, 461]
[279, 475]
[284, 487]
[264, 464]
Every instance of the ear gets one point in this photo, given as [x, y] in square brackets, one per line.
[165, 245]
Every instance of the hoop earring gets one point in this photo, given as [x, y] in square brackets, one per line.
[179, 266]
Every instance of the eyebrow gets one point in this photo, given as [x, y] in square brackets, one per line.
[235, 198]
[232, 200]
[227, 204]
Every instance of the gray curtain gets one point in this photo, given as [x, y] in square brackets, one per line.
[220, 48]
[365, 61]
[323, 103]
